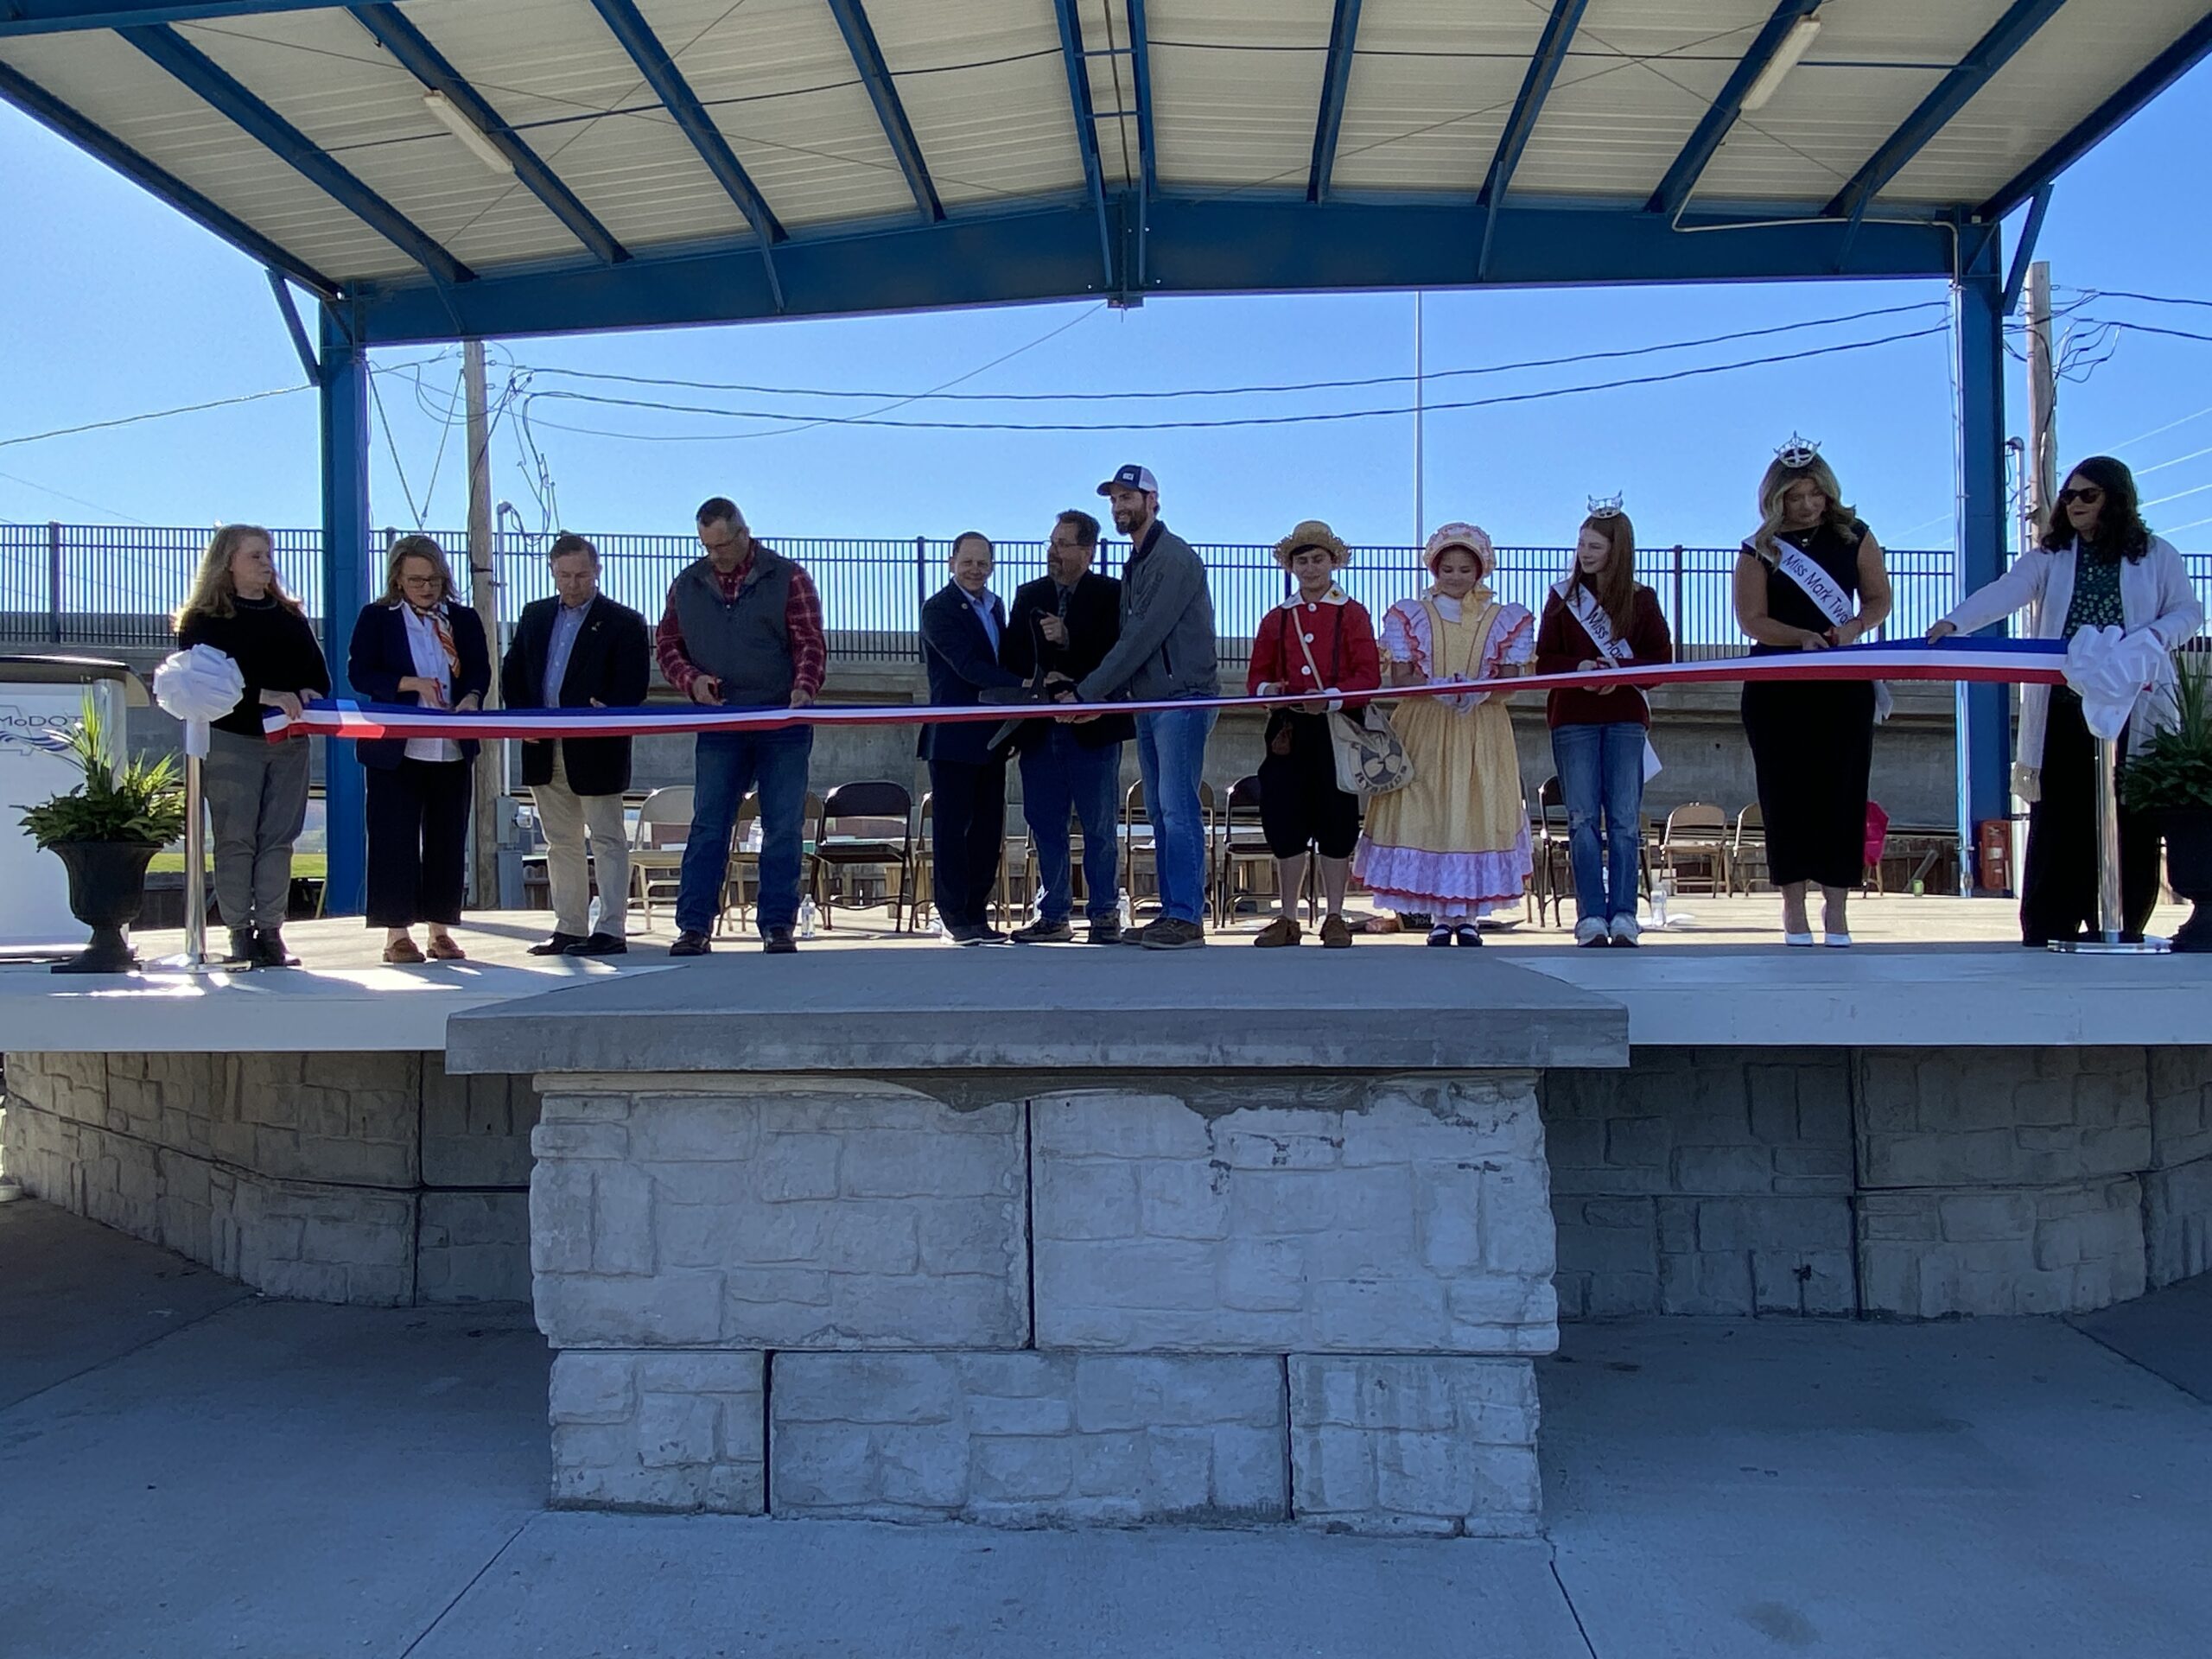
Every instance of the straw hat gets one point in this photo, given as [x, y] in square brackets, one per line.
[1312, 533]
[1472, 537]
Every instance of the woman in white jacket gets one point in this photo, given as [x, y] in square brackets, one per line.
[2099, 566]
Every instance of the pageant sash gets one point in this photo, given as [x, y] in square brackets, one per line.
[1590, 616]
[1828, 594]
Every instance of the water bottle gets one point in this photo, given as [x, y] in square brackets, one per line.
[1659, 904]
[597, 914]
[1129, 915]
[809, 917]
[935, 923]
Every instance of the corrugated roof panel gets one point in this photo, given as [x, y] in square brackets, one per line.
[1432, 83]
[1235, 92]
[112, 84]
[1639, 77]
[986, 89]
[323, 73]
[562, 81]
[2073, 64]
[1112, 87]
[777, 79]
[1873, 64]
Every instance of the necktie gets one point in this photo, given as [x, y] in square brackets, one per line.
[437, 619]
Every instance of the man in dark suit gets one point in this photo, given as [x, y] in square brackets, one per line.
[963, 627]
[1065, 623]
[580, 650]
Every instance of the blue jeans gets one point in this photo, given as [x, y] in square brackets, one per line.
[728, 764]
[1171, 756]
[1060, 776]
[1601, 775]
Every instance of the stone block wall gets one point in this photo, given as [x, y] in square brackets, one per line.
[1199, 1300]
[369, 1178]
[1919, 1183]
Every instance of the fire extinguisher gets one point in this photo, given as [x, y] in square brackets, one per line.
[1995, 855]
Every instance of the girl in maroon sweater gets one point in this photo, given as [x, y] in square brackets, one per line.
[1322, 641]
[1600, 616]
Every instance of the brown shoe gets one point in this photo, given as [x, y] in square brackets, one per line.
[403, 953]
[1336, 934]
[1281, 931]
[444, 948]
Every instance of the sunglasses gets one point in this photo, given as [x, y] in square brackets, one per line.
[2088, 495]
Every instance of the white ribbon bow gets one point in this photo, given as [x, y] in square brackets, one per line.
[197, 686]
[2109, 670]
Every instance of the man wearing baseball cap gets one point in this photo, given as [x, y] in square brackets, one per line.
[1165, 652]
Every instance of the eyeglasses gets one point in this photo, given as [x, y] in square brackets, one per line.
[2088, 495]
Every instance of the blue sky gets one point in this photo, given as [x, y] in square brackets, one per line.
[112, 305]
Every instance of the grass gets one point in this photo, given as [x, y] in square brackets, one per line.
[316, 865]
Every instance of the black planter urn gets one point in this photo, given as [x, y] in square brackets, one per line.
[107, 887]
[2189, 869]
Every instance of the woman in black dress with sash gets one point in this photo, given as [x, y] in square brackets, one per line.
[1812, 741]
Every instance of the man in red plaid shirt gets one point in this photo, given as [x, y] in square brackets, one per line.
[743, 630]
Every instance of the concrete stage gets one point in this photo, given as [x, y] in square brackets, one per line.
[1054, 1235]
[1730, 1488]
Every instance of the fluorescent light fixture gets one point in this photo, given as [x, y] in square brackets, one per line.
[1794, 47]
[471, 135]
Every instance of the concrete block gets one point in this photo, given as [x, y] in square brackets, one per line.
[2181, 1105]
[475, 1130]
[658, 1431]
[1028, 1439]
[473, 1246]
[1243, 1240]
[2064, 1249]
[2177, 1221]
[1401, 1444]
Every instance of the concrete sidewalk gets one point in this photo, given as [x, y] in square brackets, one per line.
[191, 1470]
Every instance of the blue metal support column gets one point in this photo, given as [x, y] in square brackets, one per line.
[1086, 133]
[883, 92]
[345, 590]
[1335, 83]
[2023, 252]
[1149, 176]
[1984, 514]
[1520, 125]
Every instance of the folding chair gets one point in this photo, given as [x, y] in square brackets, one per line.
[865, 825]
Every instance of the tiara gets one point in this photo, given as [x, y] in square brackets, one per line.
[1799, 452]
[1606, 506]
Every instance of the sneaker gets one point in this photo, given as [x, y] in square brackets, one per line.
[777, 942]
[1106, 930]
[1336, 934]
[1625, 930]
[269, 949]
[1170, 934]
[1281, 931]
[600, 944]
[1591, 930]
[559, 945]
[1441, 934]
[1044, 932]
[689, 944]
[1467, 933]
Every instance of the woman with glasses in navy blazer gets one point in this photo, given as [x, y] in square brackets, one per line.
[417, 644]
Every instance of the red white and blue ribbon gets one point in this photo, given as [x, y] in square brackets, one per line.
[2009, 662]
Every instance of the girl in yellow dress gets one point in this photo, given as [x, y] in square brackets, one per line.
[1453, 843]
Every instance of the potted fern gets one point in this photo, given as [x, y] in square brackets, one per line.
[106, 831]
[2171, 778]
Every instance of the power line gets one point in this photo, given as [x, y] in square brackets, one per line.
[152, 414]
[942, 396]
[1184, 425]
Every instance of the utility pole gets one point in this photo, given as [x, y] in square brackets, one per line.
[490, 780]
[2042, 469]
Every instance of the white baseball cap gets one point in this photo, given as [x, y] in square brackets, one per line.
[1131, 478]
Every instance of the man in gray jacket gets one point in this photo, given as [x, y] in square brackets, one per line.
[1165, 650]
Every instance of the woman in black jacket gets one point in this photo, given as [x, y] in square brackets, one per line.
[257, 790]
[417, 644]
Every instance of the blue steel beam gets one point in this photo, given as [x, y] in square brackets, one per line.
[1990, 54]
[201, 72]
[67, 16]
[345, 439]
[628, 25]
[1048, 251]
[1086, 130]
[1674, 191]
[1148, 174]
[875, 75]
[2154, 78]
[64, 122]
[1984, 518]
[1535, 87]
[1336, 82]
[428, 64]
[2025, 251]
[293, 326]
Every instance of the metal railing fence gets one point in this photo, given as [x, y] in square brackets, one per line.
[103, 585]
